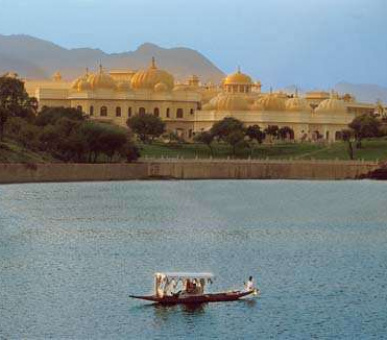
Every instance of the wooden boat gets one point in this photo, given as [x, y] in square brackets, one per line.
[192, 292]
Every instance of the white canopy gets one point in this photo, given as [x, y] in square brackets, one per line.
[184, 275]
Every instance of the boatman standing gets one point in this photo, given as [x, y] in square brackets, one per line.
[249, 285]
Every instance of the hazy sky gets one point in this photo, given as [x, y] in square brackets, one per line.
[309, 43]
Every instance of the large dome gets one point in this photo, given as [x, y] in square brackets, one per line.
[296, 104]
[271, 102]
[332, 105]
[149, 78]
[84, 85]
[80, 81]
[238, 78]
[123, 86]
[231, 103]
[101, 81]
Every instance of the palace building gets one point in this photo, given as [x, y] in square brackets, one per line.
[189, 108]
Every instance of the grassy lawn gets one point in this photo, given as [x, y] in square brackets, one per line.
[11, 152]
[375, 149]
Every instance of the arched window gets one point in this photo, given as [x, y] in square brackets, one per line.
[168, 112]
[130, 112]
[80, 108]
[91, 110]
[179, 113]
[104, 111]
[156, 112]
[338, 135]
[191, 111]
[141, 111]
[118, 111]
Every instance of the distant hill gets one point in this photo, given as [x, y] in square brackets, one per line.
[35, 58]
[364, 92]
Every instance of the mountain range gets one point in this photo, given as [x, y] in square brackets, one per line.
[36, 58]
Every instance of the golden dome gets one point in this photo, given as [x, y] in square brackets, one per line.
[123, 86]
[237, 78]
[147, 79]
[211, 105]
[101, 81]
[83, 85]
[76, 82]
[231, 103]
[296, 104]
[257, 106]
[161, 87]
[332, 105]
[271, 102]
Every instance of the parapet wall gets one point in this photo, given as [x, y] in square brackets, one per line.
[186, 169]
[269, 169]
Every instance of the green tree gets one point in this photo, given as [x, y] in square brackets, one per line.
[285, 132]
[254, 132]
[130, 152]
[49, 138]
[347, 136]
[50, 115]
[206, 138]
[272, 131]
[225, 127]
[236, 139]
[146, 126]
[111, 141]
[28, 136]
[364, 126]
[14, 102]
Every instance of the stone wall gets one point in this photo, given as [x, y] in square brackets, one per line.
[185, 169]
[22, 173]
[320, 170]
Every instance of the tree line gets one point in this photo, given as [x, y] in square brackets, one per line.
[230, 130]
[64, 133]
[362, 127]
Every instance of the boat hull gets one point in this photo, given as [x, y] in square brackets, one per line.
[195, 299]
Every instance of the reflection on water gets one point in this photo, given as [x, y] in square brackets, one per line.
[71, 253]
[165, 312]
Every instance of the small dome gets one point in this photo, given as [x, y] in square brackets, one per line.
[332, 105]
[212, 103]
[102, 81]
[161, 87]
[123, 86]
[296, 104]
[84, 85]
[257, 106]
[231, 103]
[237, 78]
[271, 102]
[76, 82]
[149, 78]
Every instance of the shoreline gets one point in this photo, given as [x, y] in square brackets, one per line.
[179, 169]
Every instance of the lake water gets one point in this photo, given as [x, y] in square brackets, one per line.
[71, 253]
